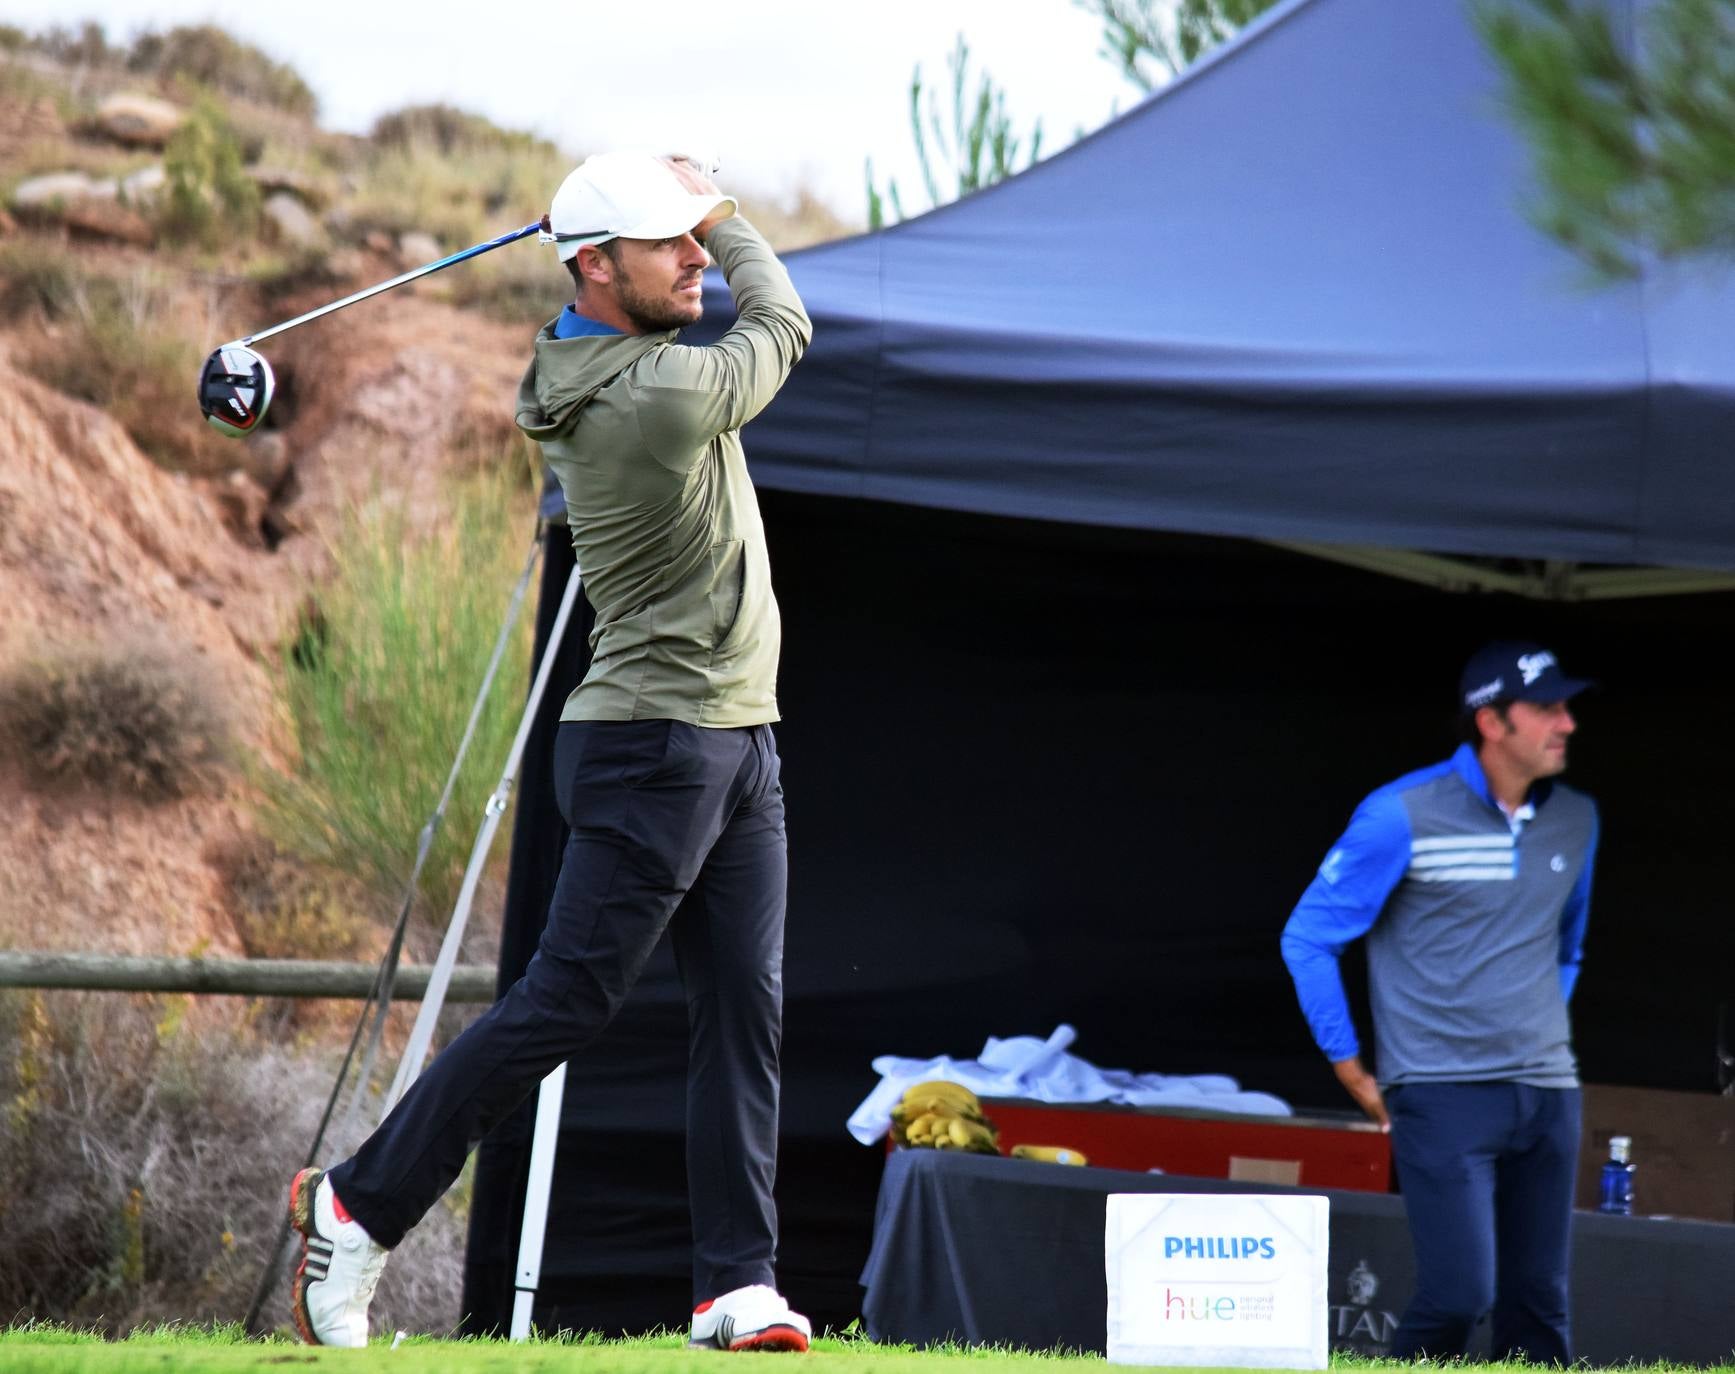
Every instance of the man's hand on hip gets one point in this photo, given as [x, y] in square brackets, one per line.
[1360, 1085]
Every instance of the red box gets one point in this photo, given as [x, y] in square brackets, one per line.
[1314, 1152]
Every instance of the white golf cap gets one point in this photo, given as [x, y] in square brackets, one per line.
[624, 196]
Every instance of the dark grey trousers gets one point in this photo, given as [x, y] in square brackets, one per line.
[671, 823]
[1487, 1171]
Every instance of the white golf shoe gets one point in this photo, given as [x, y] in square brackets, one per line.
[340, 1265]
[754, 1318]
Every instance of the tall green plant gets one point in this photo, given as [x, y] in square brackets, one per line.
[964, 141]
[376, 686]
[209, 194]
[1634, 152]
[1152, 41]
[974, 143]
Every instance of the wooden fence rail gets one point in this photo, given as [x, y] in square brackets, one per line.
[237, 977]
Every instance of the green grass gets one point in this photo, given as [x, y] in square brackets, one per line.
[56, 1350]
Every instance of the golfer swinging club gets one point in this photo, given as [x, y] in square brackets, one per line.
[664, 764]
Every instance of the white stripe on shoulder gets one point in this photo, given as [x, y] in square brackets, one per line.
[1467, 874]
[1435, 842]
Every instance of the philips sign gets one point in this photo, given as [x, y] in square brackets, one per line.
[1219, 1247]
[1213, 1279]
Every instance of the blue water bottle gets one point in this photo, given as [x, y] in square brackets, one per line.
[1617, 1177]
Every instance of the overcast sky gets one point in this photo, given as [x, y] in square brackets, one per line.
[785, 92]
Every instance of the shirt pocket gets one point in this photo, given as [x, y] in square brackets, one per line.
[728, 568]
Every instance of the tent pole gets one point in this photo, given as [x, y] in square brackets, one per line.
[543, 1143]
[422, 1033]
[1556, 581]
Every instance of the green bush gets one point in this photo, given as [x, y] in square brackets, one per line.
[377, 684]
[209, 197]
[203, 56]
[128, 720]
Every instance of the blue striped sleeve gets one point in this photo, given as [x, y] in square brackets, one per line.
[1575, 916]
[1340, 905]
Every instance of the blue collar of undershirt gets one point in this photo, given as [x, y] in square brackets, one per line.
[572, 325]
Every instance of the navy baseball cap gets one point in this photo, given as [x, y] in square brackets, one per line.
[1515, 671]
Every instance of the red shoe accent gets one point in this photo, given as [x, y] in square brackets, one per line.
[338, 1208]
[704, 1306]
[773, 1338]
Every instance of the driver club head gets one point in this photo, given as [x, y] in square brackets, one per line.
[235, 389]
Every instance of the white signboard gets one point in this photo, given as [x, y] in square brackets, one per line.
[1217, 1279]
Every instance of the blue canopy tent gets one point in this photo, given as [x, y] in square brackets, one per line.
[1294, 297]
[1064, 734]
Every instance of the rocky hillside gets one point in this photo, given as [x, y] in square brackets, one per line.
[158, 199]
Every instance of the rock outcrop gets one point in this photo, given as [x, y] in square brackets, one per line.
[139, 121]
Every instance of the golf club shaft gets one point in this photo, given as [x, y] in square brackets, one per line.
[468, 253]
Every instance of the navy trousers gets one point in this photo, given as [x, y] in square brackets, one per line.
[671, 824]
[1487, 1175]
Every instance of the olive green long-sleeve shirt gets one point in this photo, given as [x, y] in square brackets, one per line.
[643, 433]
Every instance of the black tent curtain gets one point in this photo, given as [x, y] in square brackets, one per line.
[1042, 773]
[1059, 748]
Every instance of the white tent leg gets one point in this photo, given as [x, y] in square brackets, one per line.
[543, 1143]
[422, 1033]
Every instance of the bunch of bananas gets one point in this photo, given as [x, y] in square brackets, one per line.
[939, 1115]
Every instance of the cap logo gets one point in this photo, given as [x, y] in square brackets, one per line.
[1486, 693]
[1534, 665]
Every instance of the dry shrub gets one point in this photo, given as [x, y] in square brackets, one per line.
[794, 220]
[38, 277]
[297, 271]
[85, 46]
[203, 56]
[22, 86]
[123, 718]
[40, 153]
[520, 285]
[453, 175]
[286, 908]
[450, 130]
[145, 1155]
[120, 348]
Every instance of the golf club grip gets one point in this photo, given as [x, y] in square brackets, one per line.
[476, 250]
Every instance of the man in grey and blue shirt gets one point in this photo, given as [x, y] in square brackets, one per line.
[1471, 881]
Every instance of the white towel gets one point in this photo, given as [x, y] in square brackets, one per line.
[1042, 1071]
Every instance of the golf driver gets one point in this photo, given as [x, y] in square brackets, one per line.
[236, 384]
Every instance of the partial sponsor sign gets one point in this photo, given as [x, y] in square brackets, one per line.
[1359, 1323]
[1217, 1279]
